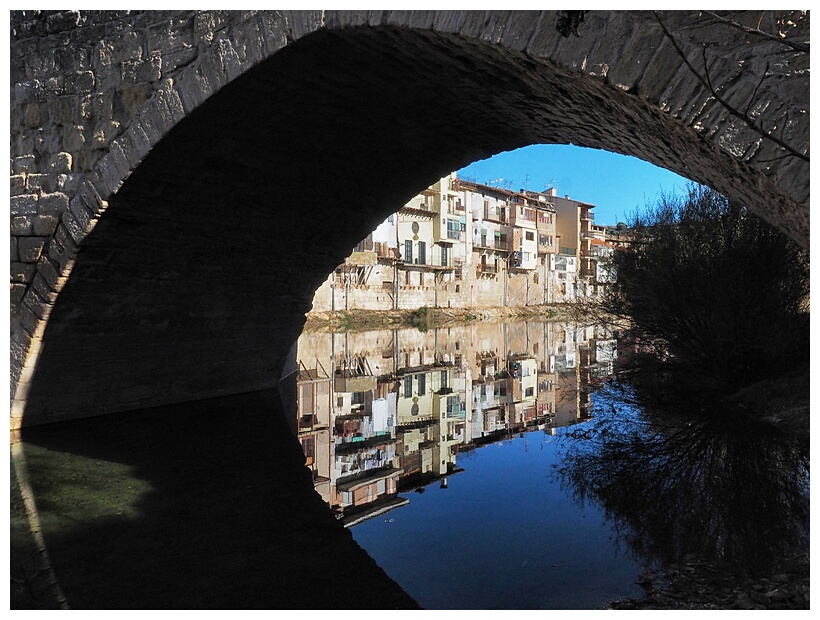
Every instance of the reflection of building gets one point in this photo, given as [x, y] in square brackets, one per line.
[313, 408]
[387, 410]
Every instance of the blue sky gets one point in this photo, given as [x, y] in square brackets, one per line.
[617, 185]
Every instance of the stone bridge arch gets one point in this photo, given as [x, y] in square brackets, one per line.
[182, 181]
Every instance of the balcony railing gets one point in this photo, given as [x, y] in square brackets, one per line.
[496, 214]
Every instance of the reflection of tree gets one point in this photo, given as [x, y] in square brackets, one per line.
[681, 482]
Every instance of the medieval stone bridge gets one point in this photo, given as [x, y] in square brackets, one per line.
[182, 181]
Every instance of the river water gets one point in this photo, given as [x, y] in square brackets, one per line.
[482, 466]
[509, 466]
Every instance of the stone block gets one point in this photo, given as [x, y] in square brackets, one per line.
[62, 110]
[44, 225]
[31, 248]
[208, 22]
[30, 90]
[169, 104]
[28, 321]
[126, 46]
[22, 224]
[109, 174]
[170, 35]
[53, 204]
[134, 144]
[40, 285]
[49, 272]
[74, 137]
[14, 257]
[16, 293]
[104, 133]
[37, 183]
[84, 216]
[62, 21]
[231, 64]
[251, 43]
[54, 86]
[22, 272]
[25, 204]
[38, 306]
[35, 115]
[80, 82]
[108, 77]
[72, 58]
[17, 184]
[59, 252]
[23, 163]
[60, 163]
[68, 183]
[99, 105]
[274, 30]
[190, 86]
[76, 232]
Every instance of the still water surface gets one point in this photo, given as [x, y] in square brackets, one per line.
[510, 466]
[501, 535]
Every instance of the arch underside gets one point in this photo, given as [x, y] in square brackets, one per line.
[195, 281]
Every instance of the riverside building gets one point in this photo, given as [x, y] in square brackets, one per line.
[463, 244]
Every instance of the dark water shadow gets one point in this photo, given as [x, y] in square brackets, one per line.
[688, 479]
[206, 505]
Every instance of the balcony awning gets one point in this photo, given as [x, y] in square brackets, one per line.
[363, 383]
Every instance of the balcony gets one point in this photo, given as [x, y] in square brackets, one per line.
[497, 245]
[496, 214]
[486, 268]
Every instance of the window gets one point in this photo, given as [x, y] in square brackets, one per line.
[408, 387]
[422, 385]
[454, 229]
[530, 236]
[308, 447]
[528, 392]
[408, 251]
[422, 253]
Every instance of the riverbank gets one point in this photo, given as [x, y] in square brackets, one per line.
[699, 584]
[428, 318]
